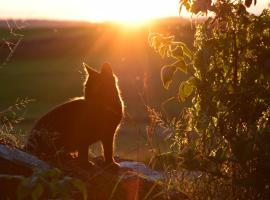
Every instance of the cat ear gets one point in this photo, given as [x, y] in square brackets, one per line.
[89, 70]
[106, 69]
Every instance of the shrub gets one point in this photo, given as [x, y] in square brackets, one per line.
[224, 133]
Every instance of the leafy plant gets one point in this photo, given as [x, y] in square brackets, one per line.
[225, 130]
[10, 39]
[9, 118]
[50, 184]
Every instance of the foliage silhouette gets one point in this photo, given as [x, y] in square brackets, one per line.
[224, 132]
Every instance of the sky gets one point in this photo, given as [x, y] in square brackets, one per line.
[95, 10]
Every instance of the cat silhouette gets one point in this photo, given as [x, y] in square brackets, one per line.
[76, 124]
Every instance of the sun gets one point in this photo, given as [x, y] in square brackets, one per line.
[129, 11]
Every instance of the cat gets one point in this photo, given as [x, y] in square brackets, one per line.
[75, 125]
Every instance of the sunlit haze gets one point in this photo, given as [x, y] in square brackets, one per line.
[96, 11]
[89, 10]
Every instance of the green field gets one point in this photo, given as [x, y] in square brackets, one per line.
[47, 67]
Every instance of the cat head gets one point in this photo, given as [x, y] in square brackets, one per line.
[100, 86]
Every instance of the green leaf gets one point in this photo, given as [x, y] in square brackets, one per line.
[181, 65]
[167, 73]
[24, 189]
[54, 173]
[163, 51]
[81, 187]
[185, 90]
[178, 53]
[38, 191]
[185, 49]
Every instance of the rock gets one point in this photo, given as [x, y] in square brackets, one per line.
[142, 169]
[15, 161]
[14, 164]
[134, 180]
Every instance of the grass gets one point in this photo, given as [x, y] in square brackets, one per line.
[52, 82]
[31, 79]
[46, 67]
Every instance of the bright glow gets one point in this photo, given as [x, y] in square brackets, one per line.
[132, 11]
[126, 11]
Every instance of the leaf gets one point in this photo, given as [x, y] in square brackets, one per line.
[185, 49]
[185, 90]
[81, 187]
[54, 173]
[248, 3]
[191, 164]
[187, 52]
[181, 65]
[220, 155]
[178, 53]
[23, 190]
[167, 73]
[163, 51]
[38, 191]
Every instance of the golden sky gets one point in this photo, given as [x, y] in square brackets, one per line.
[95, 10]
